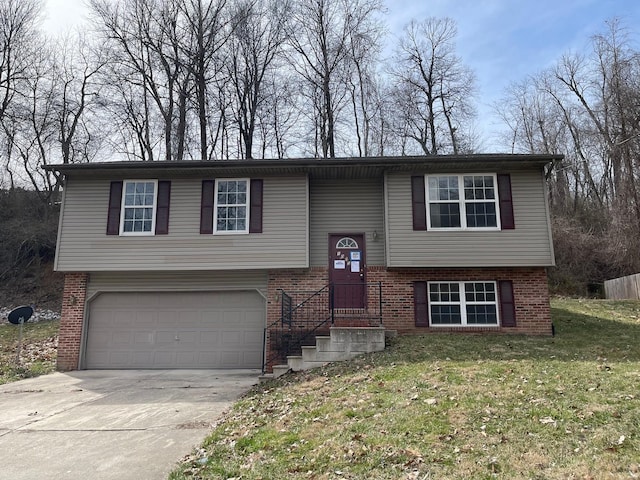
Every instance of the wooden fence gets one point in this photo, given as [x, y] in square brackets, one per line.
[623, 288]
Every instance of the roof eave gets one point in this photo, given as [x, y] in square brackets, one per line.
[310, 164]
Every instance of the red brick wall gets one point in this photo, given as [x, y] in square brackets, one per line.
[530, 291]
[531, 295]
[73, 303]
[300, 283]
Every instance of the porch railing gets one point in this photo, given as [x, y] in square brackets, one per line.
[303, 315]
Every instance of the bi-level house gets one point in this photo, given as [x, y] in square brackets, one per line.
[211, 264]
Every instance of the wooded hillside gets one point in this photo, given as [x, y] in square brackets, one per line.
[169, 80]
[28, 229]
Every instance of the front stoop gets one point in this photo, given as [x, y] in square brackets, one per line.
[343, 343]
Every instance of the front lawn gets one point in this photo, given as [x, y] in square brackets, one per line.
[451, 407]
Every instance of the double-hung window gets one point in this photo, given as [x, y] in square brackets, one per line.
[461, 202]
[138, 211]
[463, 304]
[231, 206]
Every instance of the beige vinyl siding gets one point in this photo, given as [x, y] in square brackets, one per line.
[528, 245]
[191, 281]
[84, 245]
[346, 206]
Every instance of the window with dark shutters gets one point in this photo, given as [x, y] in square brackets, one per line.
[506, 203]
[507, 304]
[421, 304]
[115, 201]
[208, 202]
[418, 203]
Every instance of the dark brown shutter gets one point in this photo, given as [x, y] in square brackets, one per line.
[115, 201]
[507, 305]
[206, 206]
[421, 304]
[255, 209]
[418, 204]
[506, 203]
[162, 208]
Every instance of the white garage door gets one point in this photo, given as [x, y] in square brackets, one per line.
[175, 330]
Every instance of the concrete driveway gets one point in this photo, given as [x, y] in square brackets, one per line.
[110, 424]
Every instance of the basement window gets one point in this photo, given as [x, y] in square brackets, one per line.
[453, 304]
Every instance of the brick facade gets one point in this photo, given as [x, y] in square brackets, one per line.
[531, 294]
[531, 297]
[73, 304]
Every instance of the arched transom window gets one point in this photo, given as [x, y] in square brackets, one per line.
[347, 242]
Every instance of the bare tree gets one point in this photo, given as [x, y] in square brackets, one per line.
[365, 42]
[257, 39]
[586, 106]
[279, 115]
[145, 40]
[29, 124]
[18, 36]
[48, 119]
[433, 90]
[207, 33]
[319, 38]
[18, 28]
[165, 63]
[75, 68]
[39, 117]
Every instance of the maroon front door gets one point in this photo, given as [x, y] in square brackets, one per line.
[347, 267]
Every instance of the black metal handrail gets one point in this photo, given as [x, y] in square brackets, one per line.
[298, 322]
[301, 321]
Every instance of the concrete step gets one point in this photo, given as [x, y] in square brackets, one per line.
[357, 340]
[297, 364]
[323, 343]
[311, 354]
[343, 343]
[357, 335]
[279, 370]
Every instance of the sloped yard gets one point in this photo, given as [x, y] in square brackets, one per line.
[38, 353]
[447, 406]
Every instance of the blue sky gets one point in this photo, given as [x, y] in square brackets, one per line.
[501, 40]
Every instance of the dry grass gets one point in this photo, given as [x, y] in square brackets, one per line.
[450, 406]
[38, 355]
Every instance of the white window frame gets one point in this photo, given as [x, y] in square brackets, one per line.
[247, 205]
[462, 202]
[463, 305]
[123, 207]
[352, 246]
